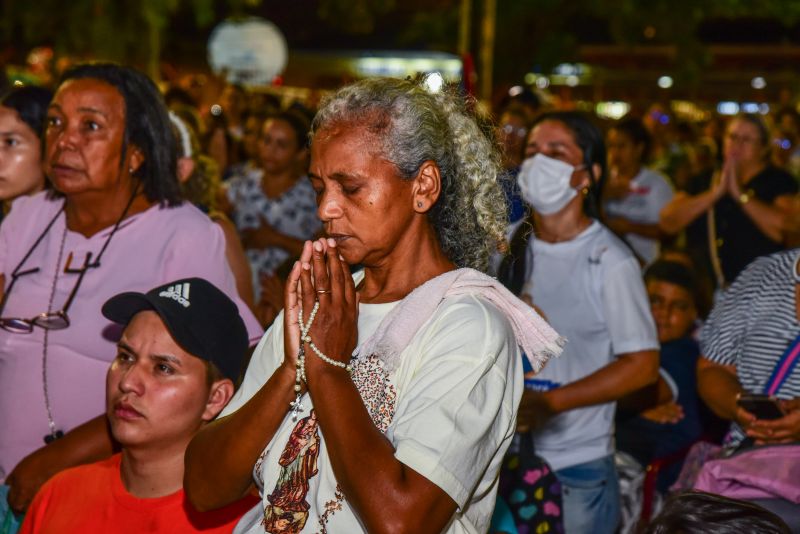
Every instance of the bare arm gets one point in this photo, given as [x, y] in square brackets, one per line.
[647, 397]
[775, 219]
[719, 388]
[84, 444]
[683, 209]
[388, 495]
[220, 458]
[628, 373]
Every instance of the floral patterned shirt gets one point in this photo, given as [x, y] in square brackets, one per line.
[294, 214]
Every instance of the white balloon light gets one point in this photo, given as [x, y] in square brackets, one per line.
[251, 51]
[665, 82]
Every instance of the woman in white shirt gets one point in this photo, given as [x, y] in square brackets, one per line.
[588, 284]
[634, 194]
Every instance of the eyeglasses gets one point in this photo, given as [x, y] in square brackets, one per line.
[740, 139]
[510, 129]
[47, 320]
[53, 320]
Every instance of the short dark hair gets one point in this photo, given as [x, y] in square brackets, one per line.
[297, 122]
[697, 512]
[147, 126]
[634, 129]
[213, 374]
[674, 273]
[30, 103]
[590, 140]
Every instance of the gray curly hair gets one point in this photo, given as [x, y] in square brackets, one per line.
[415, 126]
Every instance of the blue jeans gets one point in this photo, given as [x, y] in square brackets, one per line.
[591, 497]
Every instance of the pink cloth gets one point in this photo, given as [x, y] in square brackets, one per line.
[771, 472]
[537, 338]
[150, 248]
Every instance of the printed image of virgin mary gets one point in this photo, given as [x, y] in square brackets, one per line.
[287, 511]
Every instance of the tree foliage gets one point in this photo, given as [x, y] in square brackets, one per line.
[530, 33]
[354, 16]
[115, 30]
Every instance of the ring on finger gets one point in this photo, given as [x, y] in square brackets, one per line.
[323, 291]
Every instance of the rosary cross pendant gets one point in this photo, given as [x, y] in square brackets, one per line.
[297, 407]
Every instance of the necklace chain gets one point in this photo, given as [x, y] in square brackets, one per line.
[54, 433]
[50, 422]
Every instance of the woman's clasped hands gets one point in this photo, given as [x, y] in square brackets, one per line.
[320, 276]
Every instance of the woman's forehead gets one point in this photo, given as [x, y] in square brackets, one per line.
[550, 131]
[347, 151]
[10, 122]
[90, 94]
[345, 138]
[743, 125]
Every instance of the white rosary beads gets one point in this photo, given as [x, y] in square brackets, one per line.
[300, 370]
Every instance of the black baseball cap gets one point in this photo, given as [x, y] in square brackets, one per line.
[201, 318]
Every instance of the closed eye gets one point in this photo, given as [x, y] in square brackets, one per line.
[351, 190]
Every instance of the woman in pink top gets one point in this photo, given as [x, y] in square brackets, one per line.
[114, 222]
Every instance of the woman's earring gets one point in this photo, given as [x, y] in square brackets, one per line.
[419, 204]
[585, 191]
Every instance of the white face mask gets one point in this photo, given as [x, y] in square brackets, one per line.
[545, 183]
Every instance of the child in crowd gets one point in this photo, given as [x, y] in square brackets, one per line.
[670, 420]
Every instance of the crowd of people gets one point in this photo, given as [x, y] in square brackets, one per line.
[390, 313]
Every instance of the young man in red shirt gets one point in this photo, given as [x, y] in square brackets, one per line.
[177, 360]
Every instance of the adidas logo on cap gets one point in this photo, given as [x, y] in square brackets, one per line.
[179, 293]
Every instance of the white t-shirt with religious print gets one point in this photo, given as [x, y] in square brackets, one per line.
[449, 410]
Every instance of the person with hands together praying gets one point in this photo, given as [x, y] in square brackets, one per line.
[383, 401]
[740, 212]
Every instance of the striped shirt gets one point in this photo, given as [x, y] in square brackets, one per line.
[754, 322]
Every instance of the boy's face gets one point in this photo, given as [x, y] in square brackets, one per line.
[157, 394]
[673, 308]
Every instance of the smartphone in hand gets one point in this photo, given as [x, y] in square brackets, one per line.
[762, 406]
